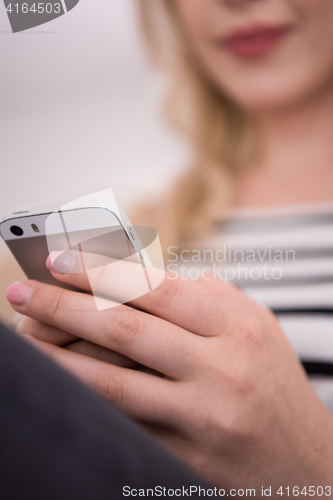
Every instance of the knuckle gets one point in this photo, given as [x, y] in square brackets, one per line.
[100, 276]
[244, 383]
[123, 326]
[166, 292]
[251, 331]
[53, 306]
[112, 388]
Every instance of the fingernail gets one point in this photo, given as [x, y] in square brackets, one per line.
[19, 294]
[60, 262]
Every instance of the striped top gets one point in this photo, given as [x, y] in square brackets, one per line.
[283, 259]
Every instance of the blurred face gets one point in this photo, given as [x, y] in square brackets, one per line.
[264, 53]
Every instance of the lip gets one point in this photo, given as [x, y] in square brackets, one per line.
[255, 40]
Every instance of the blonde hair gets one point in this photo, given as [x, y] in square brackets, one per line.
[216, 126]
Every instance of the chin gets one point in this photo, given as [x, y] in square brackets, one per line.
[265, 101]
[265, 96]
[275, 87]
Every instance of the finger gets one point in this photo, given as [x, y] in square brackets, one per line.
[130, 279]
[180, 301]
[60, 338]
[142, 337]
[98, 352]
[46, 333]
[140, 395]
[226, 290]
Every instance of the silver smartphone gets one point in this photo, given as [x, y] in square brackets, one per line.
[30, 237]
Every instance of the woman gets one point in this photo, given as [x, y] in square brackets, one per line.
[254, 82]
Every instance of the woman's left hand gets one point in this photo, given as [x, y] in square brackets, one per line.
[233, 401]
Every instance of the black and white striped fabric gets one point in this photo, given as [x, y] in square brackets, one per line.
[296, 246]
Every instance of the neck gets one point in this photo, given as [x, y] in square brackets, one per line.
[296, 164]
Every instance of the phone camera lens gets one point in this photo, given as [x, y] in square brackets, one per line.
[16, 230]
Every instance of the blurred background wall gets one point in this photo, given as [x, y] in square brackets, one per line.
[80, 110]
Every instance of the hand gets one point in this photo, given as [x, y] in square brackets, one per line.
[234, 403]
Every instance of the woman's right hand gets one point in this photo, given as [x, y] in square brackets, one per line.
[234, 403]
